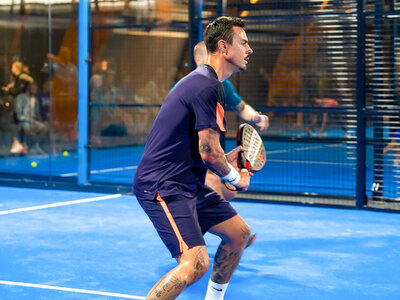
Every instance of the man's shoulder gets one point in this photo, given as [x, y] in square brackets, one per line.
[196, 80]
[201, 73]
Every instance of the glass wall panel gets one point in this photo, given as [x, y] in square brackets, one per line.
[38, 76]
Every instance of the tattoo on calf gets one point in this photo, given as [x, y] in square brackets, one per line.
[178, 284]
[225, 263]
[167, 285]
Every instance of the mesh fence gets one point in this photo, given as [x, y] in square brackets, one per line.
[303, 74]
[382, 99]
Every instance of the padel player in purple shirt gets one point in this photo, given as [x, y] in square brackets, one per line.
[182, 144]
[171, 163]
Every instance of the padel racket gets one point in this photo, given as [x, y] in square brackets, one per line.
[254, 155]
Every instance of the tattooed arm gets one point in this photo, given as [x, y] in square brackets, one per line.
[212, 153]
[214, 157]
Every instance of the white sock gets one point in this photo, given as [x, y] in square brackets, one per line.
[215, 291]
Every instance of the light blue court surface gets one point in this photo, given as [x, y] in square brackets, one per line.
[73, 245]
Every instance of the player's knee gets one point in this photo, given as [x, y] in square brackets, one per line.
[240, 240]
[201, 264]
[201, 267]
[197, 266]
[246, 233]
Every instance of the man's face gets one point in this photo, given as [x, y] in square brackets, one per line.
[239, 52]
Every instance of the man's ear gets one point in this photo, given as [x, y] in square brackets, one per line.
[222, 46]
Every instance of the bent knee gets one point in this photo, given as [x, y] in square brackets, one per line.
[245, 234]
[201, 266]
[195, 264]
[239, 241]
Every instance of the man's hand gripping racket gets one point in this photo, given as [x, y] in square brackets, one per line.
[254, 156]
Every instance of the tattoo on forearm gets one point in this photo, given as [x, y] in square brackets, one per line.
[212, 153]
[205, 148]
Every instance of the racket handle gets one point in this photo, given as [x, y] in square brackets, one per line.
[244, 163]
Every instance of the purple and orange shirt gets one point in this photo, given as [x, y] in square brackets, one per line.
[171, 163]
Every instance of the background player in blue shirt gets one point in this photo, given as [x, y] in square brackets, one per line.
[183, 143]
[244, 110]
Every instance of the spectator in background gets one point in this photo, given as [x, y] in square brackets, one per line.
[65, 92]
[43, 97]
[35, 126]
[124, 93]
[96, 99]
[18, 88]
[66, 73]
[321, 129]
[155, 90]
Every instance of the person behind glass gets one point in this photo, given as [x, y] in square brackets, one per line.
[244, 110]
[321, 102]
[18, 88]
[183, 143]
[102, 98]
[394, 145]
[35, 126]
[65, 92]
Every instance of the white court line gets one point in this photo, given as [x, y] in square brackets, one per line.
[59, 288]
[101, 171]
[303, 148]
[12, 211]
[304, 161]
[310, 162]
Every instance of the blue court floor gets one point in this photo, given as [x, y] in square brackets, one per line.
[73, 245]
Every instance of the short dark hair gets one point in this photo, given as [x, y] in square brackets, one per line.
[221, 29]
